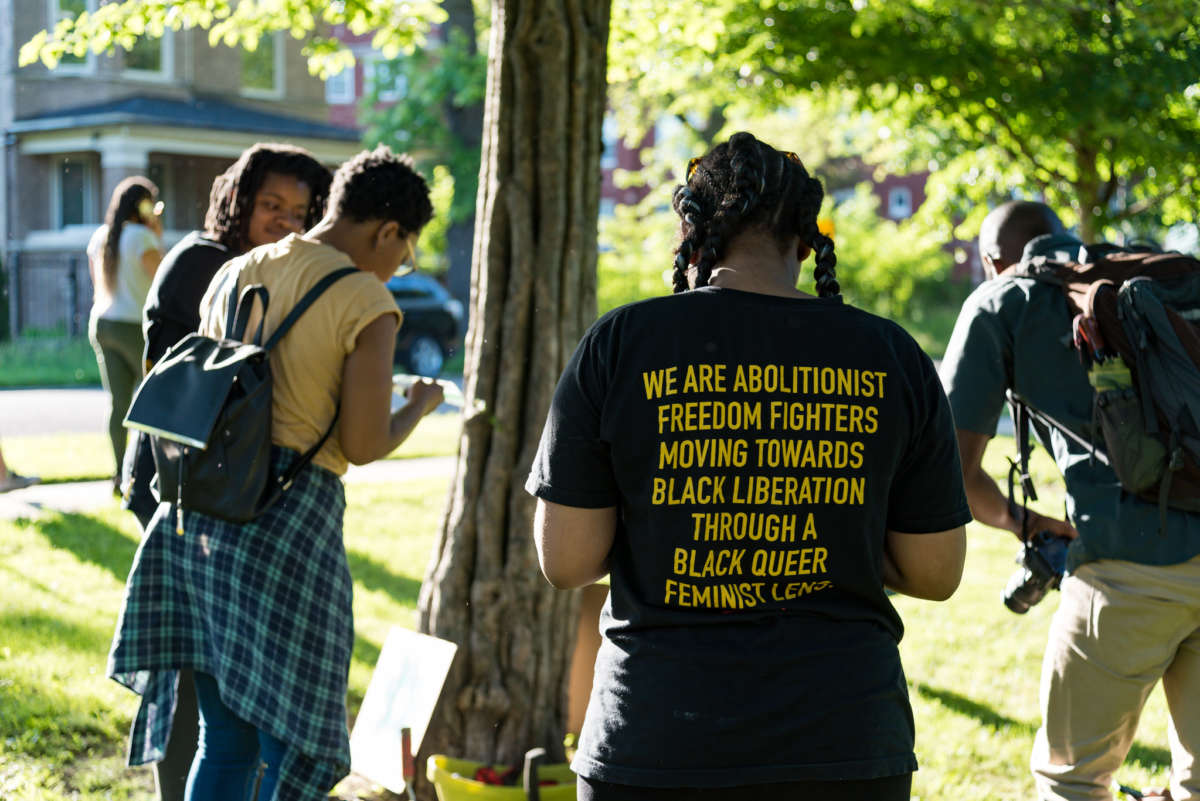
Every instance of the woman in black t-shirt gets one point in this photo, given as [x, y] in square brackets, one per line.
[753, 466]
[272, 190]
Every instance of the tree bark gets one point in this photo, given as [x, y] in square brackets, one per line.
[533, 292]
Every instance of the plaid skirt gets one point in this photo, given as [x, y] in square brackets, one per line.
[265, 608]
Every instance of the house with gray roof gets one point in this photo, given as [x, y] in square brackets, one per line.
[176, 110]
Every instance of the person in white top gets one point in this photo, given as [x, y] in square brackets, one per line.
[123, 256]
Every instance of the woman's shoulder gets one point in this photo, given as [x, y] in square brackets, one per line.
[135, 236]
[195, 248]
[133, 229]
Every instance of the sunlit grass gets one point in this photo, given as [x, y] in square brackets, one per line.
[80, 456]
[972, 665]
[87, 456]
[62, 723]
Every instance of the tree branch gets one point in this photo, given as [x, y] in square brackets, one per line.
[1144, 205]
[1110, 186]
[1054, 175]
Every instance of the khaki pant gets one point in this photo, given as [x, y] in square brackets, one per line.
[1120, 627]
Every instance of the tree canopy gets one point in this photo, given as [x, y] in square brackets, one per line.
[1093, 105]
[396, 26]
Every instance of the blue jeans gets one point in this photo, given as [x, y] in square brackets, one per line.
[229, 752]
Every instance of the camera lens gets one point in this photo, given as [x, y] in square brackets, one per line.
[1042, 565]
[1023, 591]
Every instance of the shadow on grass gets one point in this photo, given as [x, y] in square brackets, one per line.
[1149, 757]
[91, 540]
[47, 631]
[973, 709]
[374, 576]
[367, 653]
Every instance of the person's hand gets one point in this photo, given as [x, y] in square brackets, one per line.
[425, 395]
[1059, 528]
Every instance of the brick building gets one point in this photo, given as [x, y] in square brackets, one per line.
[176, 110]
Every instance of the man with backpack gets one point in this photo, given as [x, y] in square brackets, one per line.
[1130, 608]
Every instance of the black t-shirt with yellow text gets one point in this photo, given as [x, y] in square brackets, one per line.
[757, 449]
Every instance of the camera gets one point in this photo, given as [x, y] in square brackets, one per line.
[1043, 560]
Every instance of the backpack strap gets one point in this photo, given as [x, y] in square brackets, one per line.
[231, 300]
[284, 480]
[306, 301]
[245, 307]
[1045, 419]
[239, 307]
[1020, 468]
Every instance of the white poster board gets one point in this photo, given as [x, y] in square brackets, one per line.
[403, 692]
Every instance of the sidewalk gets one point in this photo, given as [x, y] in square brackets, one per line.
[84, 496]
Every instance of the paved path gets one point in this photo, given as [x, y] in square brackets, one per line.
[85, 496]
[37, 411]
[29, 412]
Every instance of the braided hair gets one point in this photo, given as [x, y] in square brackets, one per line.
[122, 208]
[740, 184]
[231, 200]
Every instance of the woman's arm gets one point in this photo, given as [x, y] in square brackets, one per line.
[368, 430]
[925, 566]
[573, 542]
[150, 260]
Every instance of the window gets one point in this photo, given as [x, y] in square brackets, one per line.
[340, 88]
[73, 184]
[262, 67]
[386, 79]
[610, 138]
[899, 202]
[63, 9]
[840, 196]
[150, 57]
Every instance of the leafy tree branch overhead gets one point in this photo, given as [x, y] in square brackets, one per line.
[453, 75]
[396, 26]
[1094, 105]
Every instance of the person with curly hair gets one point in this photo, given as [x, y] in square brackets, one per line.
[123, 256]
[272, 190]
[754, 467]
[261, 611]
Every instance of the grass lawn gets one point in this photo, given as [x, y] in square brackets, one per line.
[48, 361]
[62, 723]
[972, 665]
[88, 456]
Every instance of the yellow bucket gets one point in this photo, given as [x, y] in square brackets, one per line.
[452, 780]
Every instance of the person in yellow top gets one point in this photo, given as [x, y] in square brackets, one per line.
[261, 611]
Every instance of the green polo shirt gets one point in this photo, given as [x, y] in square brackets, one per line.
[1016, 333]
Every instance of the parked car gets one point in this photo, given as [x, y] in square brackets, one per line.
[432, 323]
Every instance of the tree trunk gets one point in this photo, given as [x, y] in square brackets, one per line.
[532, 295]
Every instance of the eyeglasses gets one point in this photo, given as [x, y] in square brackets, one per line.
[694, 163]
[409, 265]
